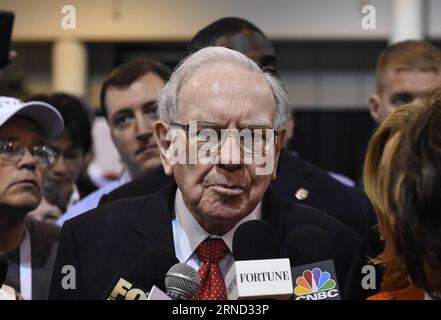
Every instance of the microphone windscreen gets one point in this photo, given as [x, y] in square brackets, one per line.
[182, 282]
[255, 240]
[3, 269]
[309, 244]
[150, 267]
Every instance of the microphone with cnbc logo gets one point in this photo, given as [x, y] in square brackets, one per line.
[313, 272]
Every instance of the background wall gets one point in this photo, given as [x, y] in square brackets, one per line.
[327, 59]
[143, 20]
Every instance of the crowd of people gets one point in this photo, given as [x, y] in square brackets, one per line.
[229, 81]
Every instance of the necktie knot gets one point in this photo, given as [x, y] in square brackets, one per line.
[211, 250]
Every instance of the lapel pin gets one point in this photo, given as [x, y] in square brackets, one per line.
[302, 194]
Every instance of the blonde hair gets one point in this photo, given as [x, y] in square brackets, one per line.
[375, 176]
[414, 189]
[407, 56]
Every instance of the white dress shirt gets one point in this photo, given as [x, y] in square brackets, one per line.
[188, 235]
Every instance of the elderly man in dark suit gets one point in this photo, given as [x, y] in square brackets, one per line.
[297, 179]
[215, 94]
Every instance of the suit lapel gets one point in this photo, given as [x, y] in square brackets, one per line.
[273, 211]
[151, 226]
[294, 178]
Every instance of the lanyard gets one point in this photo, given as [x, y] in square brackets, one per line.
[26, 268]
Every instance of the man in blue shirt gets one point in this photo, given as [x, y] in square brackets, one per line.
[128, 101]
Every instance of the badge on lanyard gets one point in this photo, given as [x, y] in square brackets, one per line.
[26, 267]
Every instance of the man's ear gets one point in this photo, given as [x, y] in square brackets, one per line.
[160, 130]
[374, 107]
[278, 147]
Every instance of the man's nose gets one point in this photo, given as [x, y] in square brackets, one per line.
[28, 161]
[144, 126]
[230, 152]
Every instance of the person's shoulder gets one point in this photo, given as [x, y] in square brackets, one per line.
[324, 177]
[87, 203]
[116, 214]
[131, 188]
[91, 200]
[406, 294]
[296, 215]
[294, 170]
[49, 231]
[117, 211]
[150, 182]
[44, 237]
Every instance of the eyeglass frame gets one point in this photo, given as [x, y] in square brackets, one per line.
[58, 155]
[21, 153]
[186, 128]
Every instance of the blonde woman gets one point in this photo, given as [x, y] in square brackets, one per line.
[377, 169]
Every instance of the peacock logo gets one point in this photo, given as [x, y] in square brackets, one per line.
[313, 281]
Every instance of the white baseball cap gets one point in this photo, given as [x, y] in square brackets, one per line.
[46, 116]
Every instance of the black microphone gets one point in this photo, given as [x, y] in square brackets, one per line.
[313, 271]
[255, 240]
[258, 271]
[3, 269]
[147, 271]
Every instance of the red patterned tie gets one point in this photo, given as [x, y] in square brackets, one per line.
[213, 287]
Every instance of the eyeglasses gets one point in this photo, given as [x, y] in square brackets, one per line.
[209, 137]
[71, 157]
[14, 151]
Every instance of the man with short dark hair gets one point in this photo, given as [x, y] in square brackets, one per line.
[29, 245]
[406, 71]
[71, 150]
[129, 102]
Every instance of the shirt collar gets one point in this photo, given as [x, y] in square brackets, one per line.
[74, 197]
[191, 234]
[125, 177]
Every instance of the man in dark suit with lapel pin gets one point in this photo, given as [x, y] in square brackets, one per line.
[219, 182]
[297, 179]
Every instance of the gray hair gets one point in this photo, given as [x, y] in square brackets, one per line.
[168, 98]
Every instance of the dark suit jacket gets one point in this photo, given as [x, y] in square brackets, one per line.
[150, 182]
[44, 241]
[371, 246]
[346, 204]
[107, 240]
